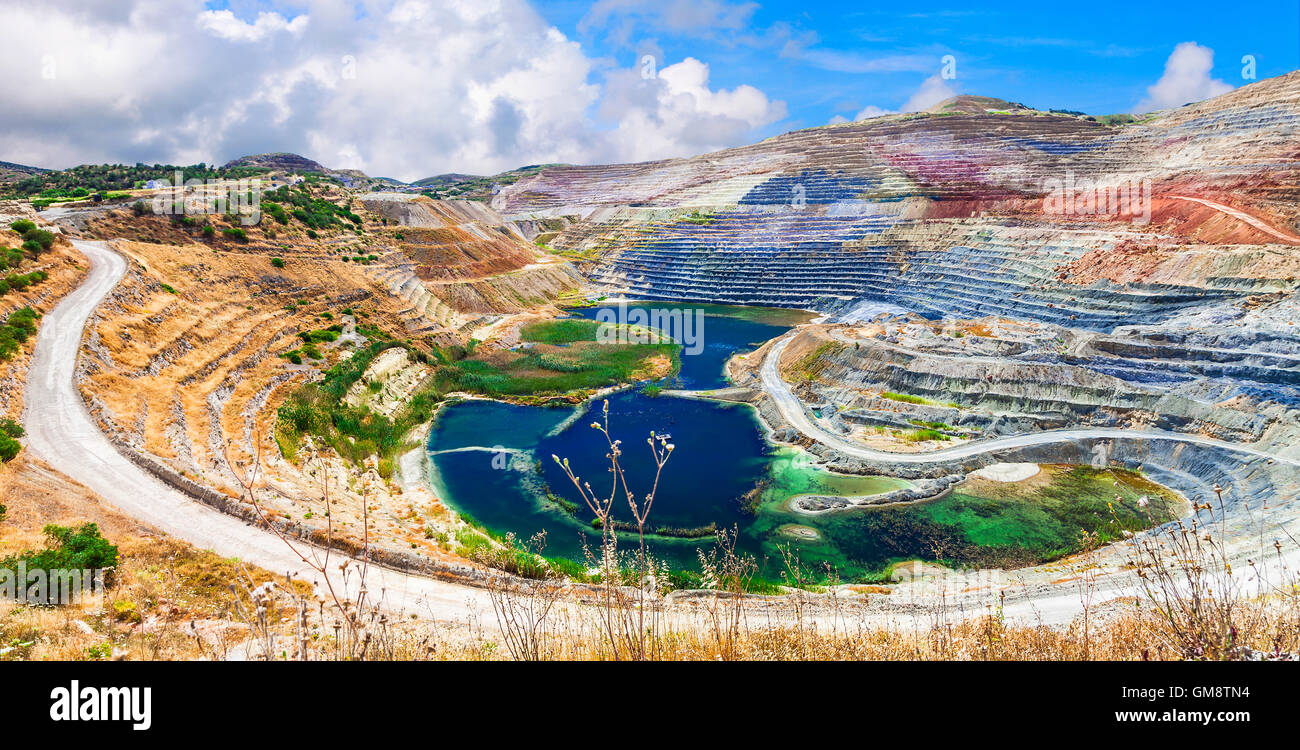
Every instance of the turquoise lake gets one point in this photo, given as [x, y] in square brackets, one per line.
[491, 461]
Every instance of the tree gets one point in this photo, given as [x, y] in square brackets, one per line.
[42, 238]
[9, 448]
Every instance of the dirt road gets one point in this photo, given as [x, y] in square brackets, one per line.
[60, 432]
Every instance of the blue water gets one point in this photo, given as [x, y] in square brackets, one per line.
[722, 333]
[492, 461]
[720, 454]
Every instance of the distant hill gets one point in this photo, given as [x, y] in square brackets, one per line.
[476, 187]
[975, 105]
[10, 172]
[277, 160]
[450, 178]
[88, 178]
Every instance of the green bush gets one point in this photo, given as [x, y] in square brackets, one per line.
[277, 262]
[316, 337]
[19, 282]
[67, 548]
[10, 258]
[11, 428]
[37, 241]
[9, 448]
[20, 326]
[235, 233]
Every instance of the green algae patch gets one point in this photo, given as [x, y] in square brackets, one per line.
[1063, 510]
[793, 473]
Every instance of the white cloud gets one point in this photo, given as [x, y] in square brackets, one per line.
[224, 24]
[407, 89]
[675, 113]
[1186, 79]
[933, 90]
[849, 62]
[872, 111]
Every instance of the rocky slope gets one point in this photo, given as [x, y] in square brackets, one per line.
[186, 362]
[1000, 269]
[1180, 306]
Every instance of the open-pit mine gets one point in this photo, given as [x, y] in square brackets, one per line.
[978, 338]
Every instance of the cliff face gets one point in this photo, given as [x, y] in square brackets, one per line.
[1158, 259]
[460, 262]
[934, 198]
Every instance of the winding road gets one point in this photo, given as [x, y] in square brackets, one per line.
[61, 432]
[1242, 216]
[793, 412]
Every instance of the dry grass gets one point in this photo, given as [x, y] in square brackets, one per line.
[161, 585]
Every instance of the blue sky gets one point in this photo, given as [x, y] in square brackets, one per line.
[1094, 57]
[412, 88]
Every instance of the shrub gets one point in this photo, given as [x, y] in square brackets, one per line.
[11, 428]
[67, 548]
[19, 282]
[277, 262]
[906, 398]
[316, 337]
[235, 233]
[208, 230]
[9, 448]
[37, 241]
[22, 323]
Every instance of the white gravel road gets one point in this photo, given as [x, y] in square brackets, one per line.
[793, 412]
[1242, 216]
[61, 432]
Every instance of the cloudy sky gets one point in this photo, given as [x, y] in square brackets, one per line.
[411, 88]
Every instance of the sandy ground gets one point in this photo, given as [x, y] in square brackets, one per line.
[1006, 472]
[1243, 216]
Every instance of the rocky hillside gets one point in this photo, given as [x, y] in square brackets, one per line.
[277, 161]
[10, 171]
[1176, 309]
